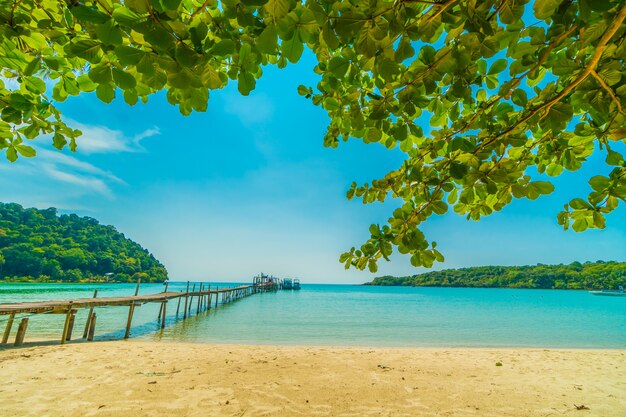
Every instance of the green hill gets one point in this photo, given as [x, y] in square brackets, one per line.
[590, 275]
[39, 245]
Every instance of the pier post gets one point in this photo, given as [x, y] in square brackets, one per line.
[208, 298]
[66, 326]
[7, 330]
[163, 306]
[178, 306]
[87, 323]
[70, 327]
[131, 310]
[137, 287]
[92, 327]
[217, 295]
[21, 331]
[199, 300]
[191, 300]
[186, 297]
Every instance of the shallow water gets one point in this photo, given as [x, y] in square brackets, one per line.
[354, 316]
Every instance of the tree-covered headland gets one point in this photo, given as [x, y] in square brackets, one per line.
[575, 276]
[39, 245]
[487, 99]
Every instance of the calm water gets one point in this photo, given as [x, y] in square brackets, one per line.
[355, 316]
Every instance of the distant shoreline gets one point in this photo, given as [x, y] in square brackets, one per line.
[588, 276]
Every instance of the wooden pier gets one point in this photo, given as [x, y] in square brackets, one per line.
[194, 300]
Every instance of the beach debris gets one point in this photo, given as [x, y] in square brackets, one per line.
[102, 406]
[581, 407]
[498, 363]
[158, 373]
[152, 382]
[385, 367]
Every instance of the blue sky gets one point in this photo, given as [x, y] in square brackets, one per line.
[248, 187]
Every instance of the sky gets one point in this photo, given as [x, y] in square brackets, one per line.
[248, 187]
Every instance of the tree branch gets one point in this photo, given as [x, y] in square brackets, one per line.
[608, 90]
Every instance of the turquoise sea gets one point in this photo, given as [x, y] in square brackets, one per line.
[347, 315]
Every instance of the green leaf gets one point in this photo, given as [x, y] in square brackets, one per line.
[304, 90]
[109, 33]
[580, 225]
[87, 49]
[338, 66]
[497, 67]
[185, 56]
[101, 74]
[519, 97]
[89, 14]
[129, 55]
[123, 79]
[130, 96]
[610, 76]
[254, 2]
[292, 49]
[542, 187]
[267, 42]
[580, 204]
[614, 158]
[599, 183]
[600, 5]
[85, 83]
[554, 170]
[246, 83]
[105, 93]
[34, 85]
[223, 47]
[127, 17]
[277, 9]
[244, 54]
[11, 154]
[211, 78]
[59, 141]
[545, 8]
[26, 151]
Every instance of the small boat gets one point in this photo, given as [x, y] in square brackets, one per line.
[287, 284]
[611, 293]
[296, 284]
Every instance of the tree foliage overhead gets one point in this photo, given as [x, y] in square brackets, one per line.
[39, 245]
[575, 276]
[479, 95]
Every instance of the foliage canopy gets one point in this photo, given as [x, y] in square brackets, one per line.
[42, 246]
[575, 276]
[475, 93]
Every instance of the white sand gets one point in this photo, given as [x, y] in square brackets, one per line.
[133, 378]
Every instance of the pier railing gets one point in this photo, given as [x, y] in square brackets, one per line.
[202, 299]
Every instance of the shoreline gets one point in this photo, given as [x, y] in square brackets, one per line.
[111, 378]
[53, 340]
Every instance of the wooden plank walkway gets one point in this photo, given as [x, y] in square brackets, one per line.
[61, 306]
[204, 300]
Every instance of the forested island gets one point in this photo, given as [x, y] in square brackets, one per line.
[41, 246]
[575, 276]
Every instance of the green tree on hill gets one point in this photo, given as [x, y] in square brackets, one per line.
[575, 276]
[41, 246]
[477, 94]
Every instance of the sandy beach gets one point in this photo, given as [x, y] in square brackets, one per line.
[136, 378]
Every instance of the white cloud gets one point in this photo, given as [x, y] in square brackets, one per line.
[55, 179]
[101, 139]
